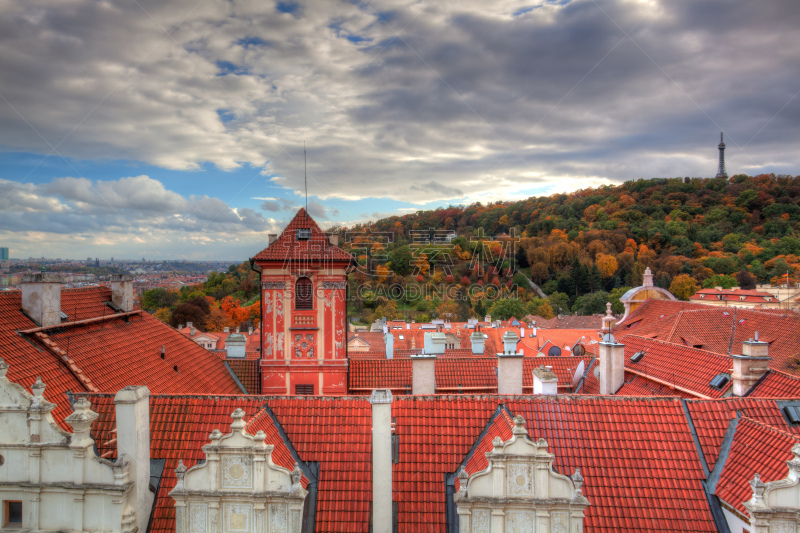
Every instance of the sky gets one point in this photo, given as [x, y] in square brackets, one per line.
[144, 128]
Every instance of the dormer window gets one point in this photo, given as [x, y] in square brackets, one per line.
[303, 234]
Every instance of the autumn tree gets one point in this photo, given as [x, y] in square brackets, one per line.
[683, 286]
[607, 264]
[163, 314]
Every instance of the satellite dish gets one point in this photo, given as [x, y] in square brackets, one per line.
[554, 351]
[577, 349]
[596, 372]
[578, 374]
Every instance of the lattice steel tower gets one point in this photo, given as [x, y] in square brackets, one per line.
[721, 172]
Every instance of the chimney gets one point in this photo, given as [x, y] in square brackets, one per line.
[381, 400]
[272, 238]
[435, 343]
[132, 405]
[423, 374]
[250, 331]
[41, 298]
[389, 339]
[647, 278]
[192, 331]
[509, 366]
[477, 339]
[751, 366]
[122, 291]
[235, 345]
[545, 381]
[521, 333]
[333, 238]
[180, 327]
[226, 330]
[612, 357]
[488, 318]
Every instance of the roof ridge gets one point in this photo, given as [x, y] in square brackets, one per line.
[733, 332]
[745, 418]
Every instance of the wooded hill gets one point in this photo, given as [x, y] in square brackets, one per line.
[689, 231]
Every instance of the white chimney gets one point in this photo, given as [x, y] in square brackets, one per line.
[435, 343]
[226, 330]
[41, 298]
[534, 332]
[132, 405]
[510, 341]
[509, 366]
[488, 318]
[122, 291]
[272, 238]
[381, 400]
[545, 382]
[423, 374]
[250, 331]
[333, 238]
[751, 366]
[235, 345]
[192, 331]
[477, 339]
[612, 357]
[389, 340]
[521, 333]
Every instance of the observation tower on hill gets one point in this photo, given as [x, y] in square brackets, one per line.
[721, 172]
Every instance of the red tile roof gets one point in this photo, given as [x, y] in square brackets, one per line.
[756, 449]
[776, 384]
[368, 374]
[686, 368]
[179, 427]
[712, 418]
[501, 426]
[87, 302]
[248, 373]
[563, 367]
[720, 329]
[316, 248]
[471, 375]
[640, 386]
[27, 362]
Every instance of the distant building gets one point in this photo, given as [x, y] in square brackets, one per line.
[735, 297]
[3, 254]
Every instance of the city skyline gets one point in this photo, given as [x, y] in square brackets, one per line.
[177, 131]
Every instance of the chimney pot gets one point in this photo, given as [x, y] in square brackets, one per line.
[612, 364]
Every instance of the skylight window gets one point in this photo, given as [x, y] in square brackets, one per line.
[720, 381]
[635, 358]
[401, 337]
[793, 414]
[303, 234]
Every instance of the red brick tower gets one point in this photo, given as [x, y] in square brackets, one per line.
[303, 308]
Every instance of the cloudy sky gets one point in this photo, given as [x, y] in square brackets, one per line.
[144, 128]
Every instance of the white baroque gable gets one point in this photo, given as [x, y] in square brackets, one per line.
[55, 475]
[519, 491]
[239, 489]
[775, 506]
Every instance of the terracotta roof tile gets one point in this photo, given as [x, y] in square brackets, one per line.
[288, 248]
[248, 373]
[563, 367]
[756, 448]
[776, 384]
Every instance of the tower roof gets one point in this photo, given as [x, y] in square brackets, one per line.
[294, 245]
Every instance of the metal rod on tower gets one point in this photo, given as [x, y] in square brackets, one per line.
[305, 172]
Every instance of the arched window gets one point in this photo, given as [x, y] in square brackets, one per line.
[303, 294]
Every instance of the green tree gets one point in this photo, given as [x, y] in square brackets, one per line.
[559, 302]
[400, 260]
[507, 308]
[590, 304]
[717, 280]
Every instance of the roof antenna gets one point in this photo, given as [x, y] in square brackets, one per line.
[305, 172]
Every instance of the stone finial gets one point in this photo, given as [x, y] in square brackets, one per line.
[647, 278]
[238, 423]
[463, 479]
[380, 396]
[180, 474]
[577, 479]
[3, 368]
[296, 474]
[38, 390]
[215, 435]
[260, 439]
[497, 442]
[758, 490]
[129, 519]
[608, 308]
[519, 426]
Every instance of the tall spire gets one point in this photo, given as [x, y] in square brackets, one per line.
[721, 172]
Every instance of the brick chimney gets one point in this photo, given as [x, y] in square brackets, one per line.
[381, 400]
[545, 382]
[423, 374]
[477, 340]
[122, 291]
[132, 405]
[612, 357]
[750, 366]
[509, 366]
[272, 238]
[41, 298]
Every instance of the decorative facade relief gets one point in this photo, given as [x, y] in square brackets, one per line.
[334, 284]
[273, 285]
[239, 477]
[775, 506]
[522, 490]
[55, 476]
